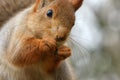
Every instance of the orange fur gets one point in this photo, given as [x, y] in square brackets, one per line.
[76, 3]
[41, 51]
[41, 48]
[51, 62]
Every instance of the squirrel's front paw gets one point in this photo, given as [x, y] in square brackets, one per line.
[48, 45]
[52, 61]
[63, 52]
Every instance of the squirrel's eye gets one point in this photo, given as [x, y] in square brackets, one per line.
[50, 13]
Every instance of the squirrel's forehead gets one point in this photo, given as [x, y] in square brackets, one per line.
[61, 5]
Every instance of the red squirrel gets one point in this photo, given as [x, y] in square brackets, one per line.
[32, 42]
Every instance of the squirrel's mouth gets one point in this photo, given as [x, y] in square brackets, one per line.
[60, 40]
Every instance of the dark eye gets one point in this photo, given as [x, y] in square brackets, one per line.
[50, 13]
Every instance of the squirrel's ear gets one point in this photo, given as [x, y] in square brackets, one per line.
[76, 3]
[35, 8]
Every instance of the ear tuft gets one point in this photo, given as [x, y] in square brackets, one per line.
[76, 3]
[36, 5]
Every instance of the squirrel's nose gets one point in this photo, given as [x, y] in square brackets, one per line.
[59, 39]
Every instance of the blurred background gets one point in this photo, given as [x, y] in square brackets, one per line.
[95, 40]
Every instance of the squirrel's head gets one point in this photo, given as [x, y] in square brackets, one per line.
[55, 19]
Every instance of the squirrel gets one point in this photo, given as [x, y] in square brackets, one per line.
[32, 42]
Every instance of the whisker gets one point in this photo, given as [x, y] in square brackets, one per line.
[80, 53]
[86, 40]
